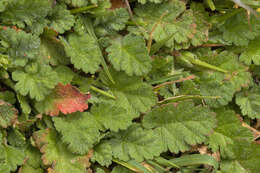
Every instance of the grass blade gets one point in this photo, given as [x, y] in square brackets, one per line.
[90, 30]
[195, 159]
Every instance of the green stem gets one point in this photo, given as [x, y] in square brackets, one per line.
[127, 165]
[82, 9]
[209, 66]
[211, 5]
[185, 97]
[165, 162]
[191, 58]
[90, 30]
[102, 92]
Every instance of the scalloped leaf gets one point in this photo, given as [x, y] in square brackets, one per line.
[61, 19]
[22, 46]
[180, 127]
[249, 102]
[66, 99]
[36, 80]
[83, 51]
[103, 154]
[27, 13]
[8, 114]
[79, 130]
[229, 130]
[56, 156]
[112, 117]
[130, 54]
[135, 143]
[131, 93]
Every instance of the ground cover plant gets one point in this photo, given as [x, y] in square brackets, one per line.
[145, 86]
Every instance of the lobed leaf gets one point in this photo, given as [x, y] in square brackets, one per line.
[66, 99]
[180, 127]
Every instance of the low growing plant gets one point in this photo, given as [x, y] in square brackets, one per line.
[146, 86]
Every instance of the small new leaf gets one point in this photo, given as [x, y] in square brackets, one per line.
[37, 81]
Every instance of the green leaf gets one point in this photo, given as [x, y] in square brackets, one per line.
[29, 169]
[243, 32]
[4, 61]
[113, 20]
[21, 45]
[130, 54]
[3, 4]
[16, 138]
[65, 74]
[30, 13]
[12, 157]
[251, 54]
[23, 101]
[154, 1]
[180, 127]
[102, 154]
[220, 84]
[8, 96]
[37, 81]
[61, 19]
[249, 102]
[84, 52]
[172, 18]
[8, 114]
[52, 51]
[246, 158]
[33, 157]
[112, 117]
[56, 156]
[228, 132]
[135, 143]
[131, 93]
[71, 127]
[76, 3]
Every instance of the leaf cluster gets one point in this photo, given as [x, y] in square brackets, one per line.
[148, 86]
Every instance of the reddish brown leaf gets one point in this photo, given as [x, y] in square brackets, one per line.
[66, 99]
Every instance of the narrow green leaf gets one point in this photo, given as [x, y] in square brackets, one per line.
[195, 159]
